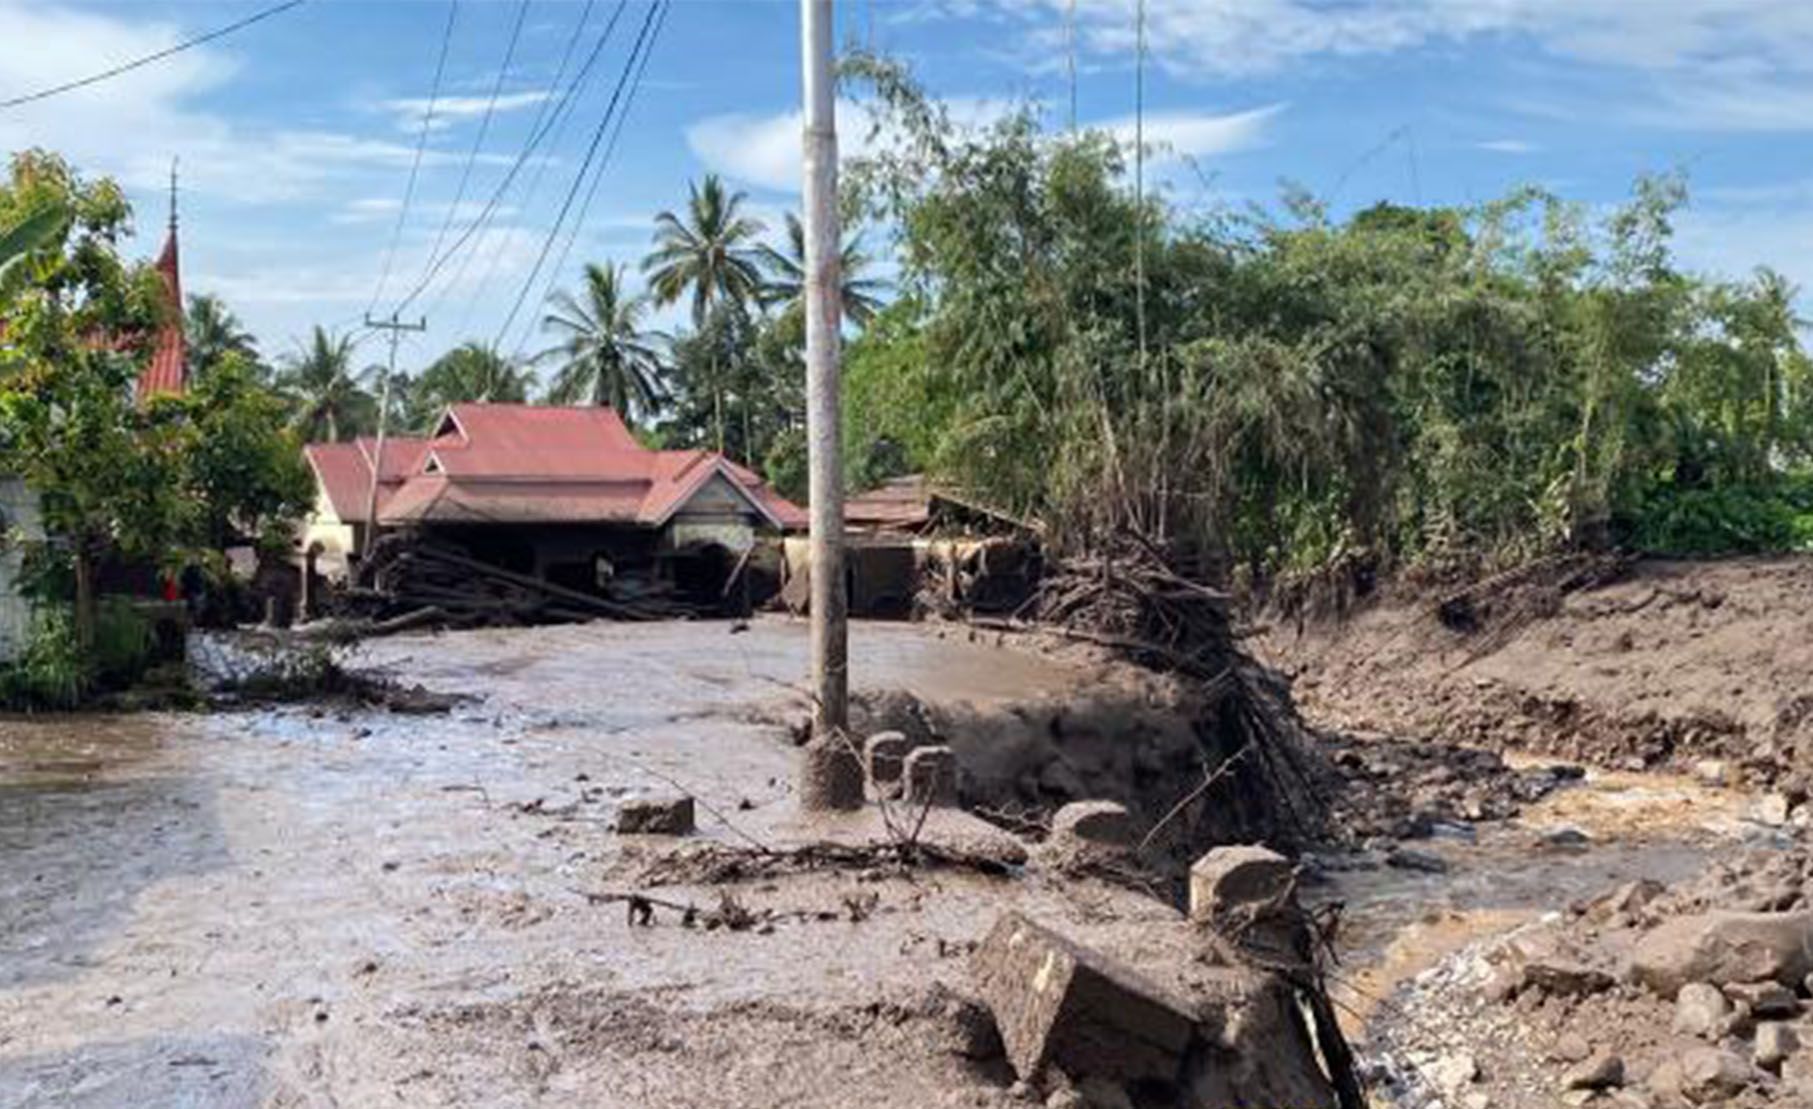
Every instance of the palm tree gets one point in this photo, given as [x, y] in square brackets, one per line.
[786, 284]
[330, 401]
[605, 356]
[470, 372]
[707, 255]
[213, 332]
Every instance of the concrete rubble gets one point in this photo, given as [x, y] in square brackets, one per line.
[656, 816]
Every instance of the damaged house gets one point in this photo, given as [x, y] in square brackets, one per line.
[564, 495]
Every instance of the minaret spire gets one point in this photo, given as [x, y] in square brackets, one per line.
[173, 163]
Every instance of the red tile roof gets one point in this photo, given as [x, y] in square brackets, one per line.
[165, 372]
[512, 463]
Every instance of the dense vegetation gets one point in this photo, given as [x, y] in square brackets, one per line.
[1282, 390]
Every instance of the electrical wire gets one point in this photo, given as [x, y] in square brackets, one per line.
[541, 169]
[503, 186]
[585, 167]
[415, 167]
[136, 63]
[610, 149]
[484, 128]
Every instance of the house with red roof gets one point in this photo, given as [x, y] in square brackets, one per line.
[558, 492]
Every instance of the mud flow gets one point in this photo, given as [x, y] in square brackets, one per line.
[311, 905]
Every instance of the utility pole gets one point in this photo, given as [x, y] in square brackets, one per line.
[824, 434]
[396, 328]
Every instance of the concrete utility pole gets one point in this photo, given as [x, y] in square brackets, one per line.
[396, 329]
[824, 433]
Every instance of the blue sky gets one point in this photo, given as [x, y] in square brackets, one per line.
[296, 136]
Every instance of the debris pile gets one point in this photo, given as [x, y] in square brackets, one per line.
[414, 581]
[1644, 996]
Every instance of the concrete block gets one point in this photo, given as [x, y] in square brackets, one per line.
[1228, 879]
[656, 816]
[931, 776]
[1093, 824]
[885, 755]
[1059, 1004]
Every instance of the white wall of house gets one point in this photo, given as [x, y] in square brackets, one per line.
[334, 539]
[20, 520]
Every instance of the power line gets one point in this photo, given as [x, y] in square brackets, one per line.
[585, 167]
[484, 128]
[187, 44]
[541, 169]
[503, 186]
[415, 167]
[609, 150]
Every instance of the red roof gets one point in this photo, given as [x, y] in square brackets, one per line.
[165, 372]
[513, 463]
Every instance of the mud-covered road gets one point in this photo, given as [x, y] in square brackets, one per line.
[293, 907]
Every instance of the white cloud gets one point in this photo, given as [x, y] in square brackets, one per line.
[1197, 134]
[449, 110]
[1507, 146]
[765, 150]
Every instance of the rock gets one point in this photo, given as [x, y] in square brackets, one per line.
[1234, 880]
[931, 776]
[1572, 1048]
[830, 775]
[1093, 824]
[1775, 1041]
[1624, 902]
[1713, 1074]
[656, 816]
[1723, 947]
[1599, 1071]
[1712, 772]
[964, 1027]
[1772, 809]
[1421, 861]
[884, 755]
[1701, 1010]
[1056, 1003]
[1099, 1093]
[1565, 978]
[1452, 1072]
[1566, 837]
[1764, 999]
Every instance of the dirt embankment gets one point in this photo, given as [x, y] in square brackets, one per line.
[1669, 665]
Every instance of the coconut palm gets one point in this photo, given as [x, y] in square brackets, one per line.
[708, 255]
[604, 356]
[470, 372]
[786, 284]
[330, 400]
[213, 332]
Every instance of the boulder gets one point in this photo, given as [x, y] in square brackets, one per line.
[1095, 824]
[656, 816]
[1722, 948]
[1713, 1074]
[1701, 1011]
[1764, 999]
[1059, 1004]
[1238, 880]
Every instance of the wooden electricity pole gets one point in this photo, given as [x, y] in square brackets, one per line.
[396, 329]
[824, 418]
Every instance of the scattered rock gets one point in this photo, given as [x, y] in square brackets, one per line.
[931, 776]
[1452, 1072]
[1775, 1041]
[1700, 1010]
[656, 816]
[1764, 999]
[1712, 772]
[1421, 861]
[1599, 1071]
[1772, 809]
[1713, 1074]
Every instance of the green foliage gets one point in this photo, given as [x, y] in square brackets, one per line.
[51, 671]
[329, 400]
[469, 372]
[602, 354]
[1734, 519]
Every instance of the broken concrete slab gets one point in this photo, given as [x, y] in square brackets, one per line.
[1059, 1004]
[930, 776]
[665, 815]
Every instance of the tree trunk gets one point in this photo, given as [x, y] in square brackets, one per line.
[85, 600]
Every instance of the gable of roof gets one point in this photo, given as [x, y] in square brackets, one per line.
[165, 373]
[343, 472]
